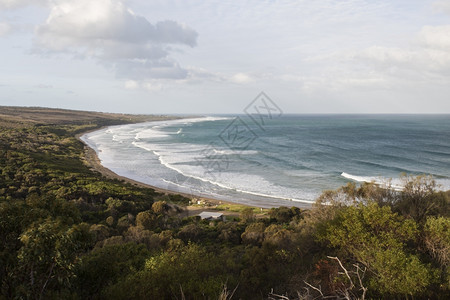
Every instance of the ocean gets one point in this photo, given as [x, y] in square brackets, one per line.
[284, 161]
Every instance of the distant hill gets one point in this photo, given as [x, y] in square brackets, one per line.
[13, 116]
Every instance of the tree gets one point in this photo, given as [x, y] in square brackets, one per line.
[437, 239]
[191, 271]
[191, 232]
[419, 198]
[254, 234]
[230, 232]
[284, 214]
[280, 237]
[376, 238]
[247, 215]
[160, 207]
[12, 223]
[147, 219]
[47, 256]
[105, 266]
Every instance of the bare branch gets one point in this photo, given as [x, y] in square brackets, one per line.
[225, 294]
[360, 278]
[47, 280]
[183, 297]
[314, 288]
[277, 296]
[343, 268]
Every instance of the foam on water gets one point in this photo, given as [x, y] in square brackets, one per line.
[383, 182]
[232, 152]
[291, 162]
[151, 133]
[395, 183]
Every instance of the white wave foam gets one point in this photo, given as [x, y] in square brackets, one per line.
[181, 158]
[119, 138]
[395, 183]
[188, 121]
[197, 172]
[381, 181]
[151, 133]
[444, 184]
[155, 133]
[274, 196]
[360, 178]
[144, 146]
[231, 152]
[201, 119]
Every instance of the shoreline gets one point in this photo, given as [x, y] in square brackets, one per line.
[91, 159]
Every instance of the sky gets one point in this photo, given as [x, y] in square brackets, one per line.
[216, 56]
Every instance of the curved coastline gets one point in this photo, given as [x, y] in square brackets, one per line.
[225, 192]
[92, 160]
[172, 166]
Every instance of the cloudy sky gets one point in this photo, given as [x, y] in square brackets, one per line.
[215, 56]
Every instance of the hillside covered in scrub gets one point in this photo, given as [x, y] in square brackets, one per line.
[67, 232]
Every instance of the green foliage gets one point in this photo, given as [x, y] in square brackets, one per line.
[254, 234]
[147, 219]
[437, 239]
[160, 207]
[190, 270]
[230, 232]
[247, 215]
[191, 232]
[419, 198]
[66, 232]
[284, 214]
[43, 186]
[46, 258]
[376, 237]
[103, 267]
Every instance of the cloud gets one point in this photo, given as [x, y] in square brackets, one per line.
[86, 23]
[13, 4]
[150, 69]
[241, 78]
[114, 35]
[443, 5]
[153, 86]
[435, 37]
[425, 61]
[131, 85]
[432, 54]
[5, 28]
[44, 86]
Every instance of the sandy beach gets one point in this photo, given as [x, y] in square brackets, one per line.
[200, 204]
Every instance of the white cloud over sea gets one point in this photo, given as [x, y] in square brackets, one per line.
[213, 56]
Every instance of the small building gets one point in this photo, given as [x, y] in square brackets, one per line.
[206, 215]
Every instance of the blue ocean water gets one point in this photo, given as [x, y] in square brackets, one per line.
[287, 160]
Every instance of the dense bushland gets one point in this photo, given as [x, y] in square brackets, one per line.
[66, 232]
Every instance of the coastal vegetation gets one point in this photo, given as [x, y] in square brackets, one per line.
[67, 232]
